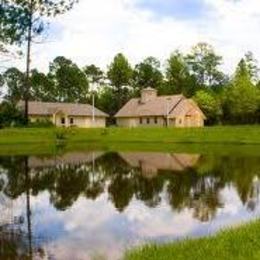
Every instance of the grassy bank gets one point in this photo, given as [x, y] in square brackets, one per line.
[242, 243]
[214, 135]
[222, 140]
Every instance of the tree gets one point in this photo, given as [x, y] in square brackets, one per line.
[120, 75]
[204, 64]
[252, 66]
[2, 82]
[210, 105]
[242, 96]
[178, 78]
[13, 22]
[70, 83]
[94, 74]
[147, 74]
[258, 85]
[105, 100]
[15, 80]
[22, 20]
[43, 87]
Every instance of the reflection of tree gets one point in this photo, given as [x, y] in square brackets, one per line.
[14, 167]
[149, 190]
[96, 181]
[16, 243]
[126, 181]
[121, 181]
[121, 191]
[70, 181]
[195, 187]
[205, 198]
[200, 193]
[13, 246]
[243, 173]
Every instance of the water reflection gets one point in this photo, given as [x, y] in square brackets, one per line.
[98, 203]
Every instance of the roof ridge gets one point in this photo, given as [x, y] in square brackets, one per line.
[63, 103]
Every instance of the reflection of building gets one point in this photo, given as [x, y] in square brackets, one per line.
[150, 163]
[74, 158]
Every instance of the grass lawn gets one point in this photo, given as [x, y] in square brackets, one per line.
[208, 139]
[242, 243]
[222, 135]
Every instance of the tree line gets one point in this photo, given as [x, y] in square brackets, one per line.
[224, 99]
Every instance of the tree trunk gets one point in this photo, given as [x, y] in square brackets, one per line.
[28, 63]
[28, 206]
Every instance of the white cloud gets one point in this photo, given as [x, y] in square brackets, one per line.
[94, 31]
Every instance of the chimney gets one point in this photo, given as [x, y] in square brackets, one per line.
[148, 94]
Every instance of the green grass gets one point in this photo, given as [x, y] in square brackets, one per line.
[215, 135]
[241, 243]
[194, 140]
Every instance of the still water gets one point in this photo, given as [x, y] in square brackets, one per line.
[95, 205]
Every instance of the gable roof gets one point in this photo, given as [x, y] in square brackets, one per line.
[186, 107]
[178, 105]
[70, 109]
[154, 107]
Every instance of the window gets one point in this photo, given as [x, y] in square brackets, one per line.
[71, 121]
[62, 120]
[156, 120]
[180, 121]
[141, 121]
[148, 121]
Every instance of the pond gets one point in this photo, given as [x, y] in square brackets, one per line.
[95, 205]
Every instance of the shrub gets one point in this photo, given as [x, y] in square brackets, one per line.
[210, 105]
[10, 115]
[41, 123]
[61, 134]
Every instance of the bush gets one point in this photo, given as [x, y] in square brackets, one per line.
[41, 123]
[61, 134]
[210, 105]
[10, 115]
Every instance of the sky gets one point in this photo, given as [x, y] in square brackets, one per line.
[94, 31]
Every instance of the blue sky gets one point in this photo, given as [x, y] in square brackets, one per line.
[183, 9]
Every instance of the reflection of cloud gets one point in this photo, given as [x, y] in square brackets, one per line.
[160, 221]
[89, 230]
[95, 227]
[11, 209]
[231, 201]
